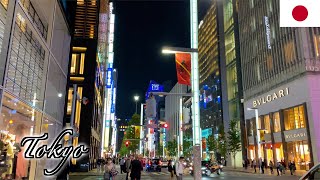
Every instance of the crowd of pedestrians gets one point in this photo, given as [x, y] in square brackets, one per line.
[261, 165]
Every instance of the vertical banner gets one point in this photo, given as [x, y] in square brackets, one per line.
[183, 66]
[137, 132]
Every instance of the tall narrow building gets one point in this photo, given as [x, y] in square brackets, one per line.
[281, 81]
[86, 79]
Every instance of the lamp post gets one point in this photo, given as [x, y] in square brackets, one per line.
[136, 99]
[257, 129]
[195, 104]
[141, 130]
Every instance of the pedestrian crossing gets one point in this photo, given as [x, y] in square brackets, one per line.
[162, 173]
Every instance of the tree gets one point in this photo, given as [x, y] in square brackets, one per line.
[172, 147]
[187, 144]
[222, 145]
[130, 135]
[212, 144]
[234, 139]
[160, 150]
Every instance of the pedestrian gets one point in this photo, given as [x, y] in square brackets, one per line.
[271, 166]
[254, 163]
[136, 168]
[279, 168]
[170, 168]
[180, 168]
[123, 165]
[292, 167]
[110, 170]
[284, 166]
[128, 166]
[261, 165]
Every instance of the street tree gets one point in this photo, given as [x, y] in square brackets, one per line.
[234, 140]
[187, 144]
[172, 147]
[221, 142]
[212, 144]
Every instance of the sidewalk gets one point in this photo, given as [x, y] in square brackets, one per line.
[93, 172]
[298, 173]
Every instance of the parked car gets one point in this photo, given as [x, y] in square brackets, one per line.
[164, 163]
[313, 173]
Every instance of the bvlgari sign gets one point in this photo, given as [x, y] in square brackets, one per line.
[271, 97]
[295, 135]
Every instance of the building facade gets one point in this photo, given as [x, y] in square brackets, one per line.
[35, 44]
[209, 70]
[86, 74]
[281, 83]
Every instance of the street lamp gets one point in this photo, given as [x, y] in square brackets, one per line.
[195, 102]
[258, 130]
[136, 99]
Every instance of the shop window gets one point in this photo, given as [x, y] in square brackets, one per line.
[276, 122]
[299, 153]
[77, 63]
[267, 124]
[294, 118]
[17, 121]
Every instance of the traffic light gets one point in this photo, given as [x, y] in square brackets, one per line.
[163, 125]
[127, 143]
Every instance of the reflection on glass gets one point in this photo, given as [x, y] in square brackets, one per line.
[276, 120]
[15, 123]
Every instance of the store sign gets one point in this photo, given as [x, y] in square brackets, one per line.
[266, 22]
[295, 135]
[109, 77]
[57, 150]
[271, 97]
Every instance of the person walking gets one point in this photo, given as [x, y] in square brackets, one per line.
[261, 165]
[136, 168]
[292, 167]
[128, 166]
[271, 166]
[170, 168]
[110, 170]
[180, 168]
[123, 165]
[254, 163]
[279, 168]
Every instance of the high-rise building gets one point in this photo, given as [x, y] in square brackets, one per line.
[34, 49]
[230, 68]
[209, 74]
[281, 83]
[87, 69]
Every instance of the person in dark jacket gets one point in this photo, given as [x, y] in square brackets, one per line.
[136, 168]
[170, 168]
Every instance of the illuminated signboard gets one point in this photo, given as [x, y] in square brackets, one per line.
[109, 77]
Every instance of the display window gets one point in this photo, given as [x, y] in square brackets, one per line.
[279, 151]
[17, 120]
[294, 118]
[299, 153]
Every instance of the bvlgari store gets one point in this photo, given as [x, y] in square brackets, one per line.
[281, 125]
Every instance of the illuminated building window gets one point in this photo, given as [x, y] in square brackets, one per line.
[276, 120]
[267, 124]
[289, 52]
[294, 118]
[317, 44]
[69, 107]
[299, 152]
[77, 63]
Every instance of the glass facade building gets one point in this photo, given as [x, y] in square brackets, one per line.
[280, 68]
[34, 51]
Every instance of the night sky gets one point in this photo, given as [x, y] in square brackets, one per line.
[142, 28]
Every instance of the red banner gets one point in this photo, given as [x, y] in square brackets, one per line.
[183, 66]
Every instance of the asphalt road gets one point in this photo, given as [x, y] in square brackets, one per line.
[164, 175]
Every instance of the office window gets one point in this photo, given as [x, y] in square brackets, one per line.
[276, 122]
[77, 63]
[294, 118]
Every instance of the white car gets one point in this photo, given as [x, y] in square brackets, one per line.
[313, 173]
